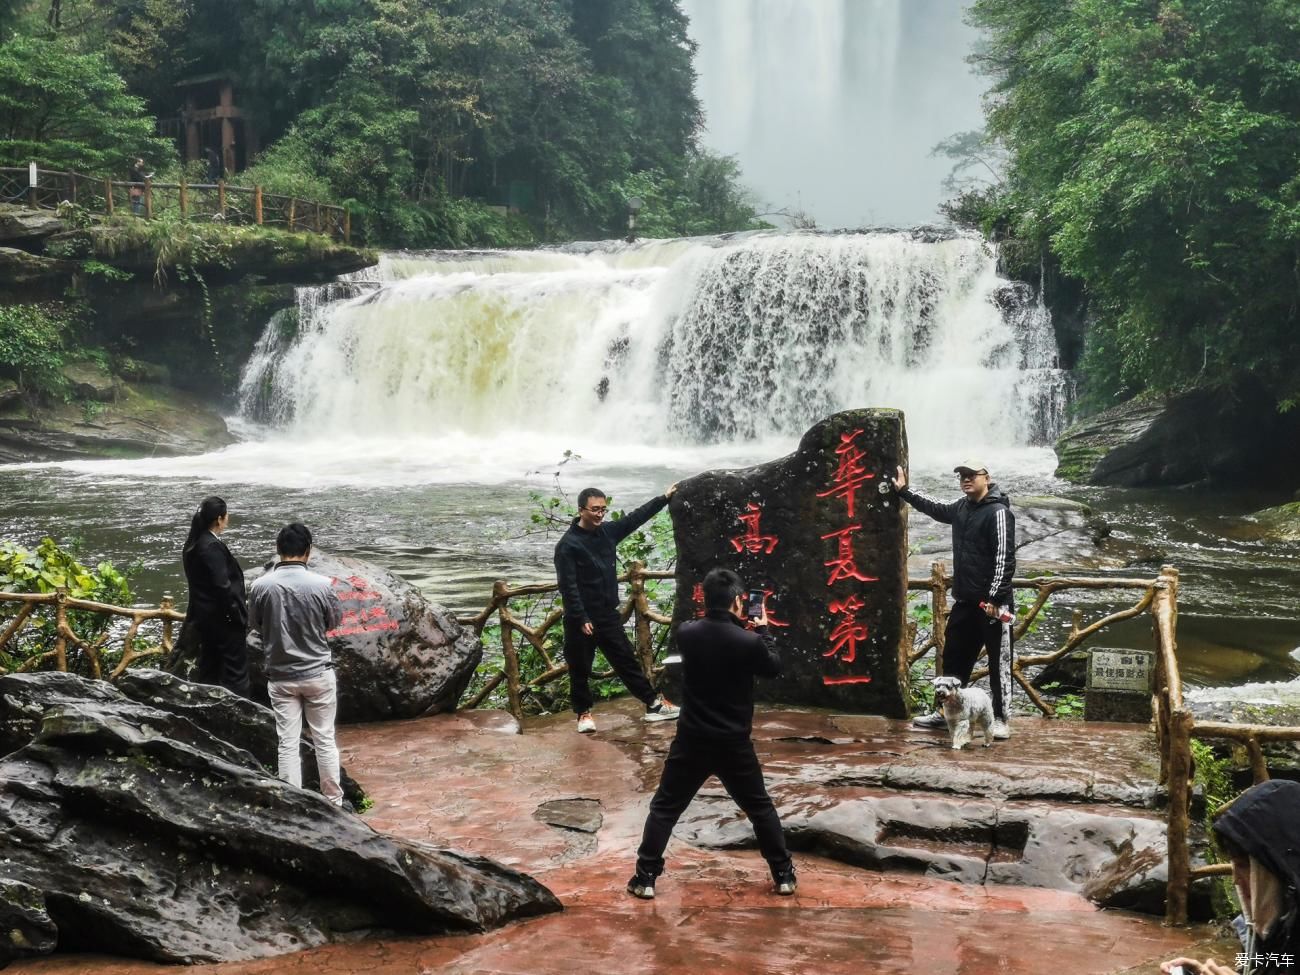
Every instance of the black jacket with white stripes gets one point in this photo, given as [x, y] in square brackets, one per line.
[983, 543]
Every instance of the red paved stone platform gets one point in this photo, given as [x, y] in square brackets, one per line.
[468, 781]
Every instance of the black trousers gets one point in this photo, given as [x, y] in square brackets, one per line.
[688, 766]
[223, 656]
[969, 631]
[580, 651]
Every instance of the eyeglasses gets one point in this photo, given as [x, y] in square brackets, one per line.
[598, 511]
[971, 475]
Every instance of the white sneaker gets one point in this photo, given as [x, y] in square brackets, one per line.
[586, 723]
[1001, 732]
[662, 710]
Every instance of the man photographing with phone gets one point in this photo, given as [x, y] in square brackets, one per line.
[720, 659]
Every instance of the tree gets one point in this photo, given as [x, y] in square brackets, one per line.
[1154, 149]
[69, 111]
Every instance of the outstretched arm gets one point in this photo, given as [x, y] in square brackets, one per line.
[619, 530]
[938, 510]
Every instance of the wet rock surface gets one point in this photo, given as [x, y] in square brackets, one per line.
[468, 780]
[397, 655]
[25, 925]
[146, 845]
[1222, 433]
[816, 533]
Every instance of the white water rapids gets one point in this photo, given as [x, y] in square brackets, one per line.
[666, 345]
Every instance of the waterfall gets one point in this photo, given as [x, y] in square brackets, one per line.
[833, 106]
[695, 341]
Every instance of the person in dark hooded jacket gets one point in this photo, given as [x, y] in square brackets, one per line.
[1260, 832]
[984, 560]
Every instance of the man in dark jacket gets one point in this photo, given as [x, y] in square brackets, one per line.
[586, 564]
[720, 659]
[984, 561]
[1260, 832]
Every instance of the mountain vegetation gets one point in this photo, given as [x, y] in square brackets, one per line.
[1148, 155]
[438, 122]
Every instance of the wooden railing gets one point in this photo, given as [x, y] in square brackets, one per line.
[56, 607]
[636, 607]
[1044, 587]
[212, 201]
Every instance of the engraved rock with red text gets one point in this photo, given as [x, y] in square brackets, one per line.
[397, 655]
[817, 533]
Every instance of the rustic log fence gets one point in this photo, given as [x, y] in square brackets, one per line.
[55, 607]
[217, 201]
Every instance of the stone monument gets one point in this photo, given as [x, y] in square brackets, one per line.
[823, 534]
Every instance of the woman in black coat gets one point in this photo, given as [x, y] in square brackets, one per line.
[218, 607]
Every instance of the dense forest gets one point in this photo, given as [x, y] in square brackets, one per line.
[1146, 153]
[438, 122]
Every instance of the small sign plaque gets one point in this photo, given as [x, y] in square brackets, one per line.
[1121, 670]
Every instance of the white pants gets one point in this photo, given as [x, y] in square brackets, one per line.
[317, 697]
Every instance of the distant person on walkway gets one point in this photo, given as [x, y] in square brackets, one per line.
[137, 177]
[720, 659]
[213, 158]
[292, 609]
[1260, 832]
[217, 608]
[586, 564]
[983, 563]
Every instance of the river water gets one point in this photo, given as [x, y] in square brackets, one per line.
[408, 413]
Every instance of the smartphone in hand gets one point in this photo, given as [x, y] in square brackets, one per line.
[754, 603]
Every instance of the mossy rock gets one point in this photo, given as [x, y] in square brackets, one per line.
[1279, 524]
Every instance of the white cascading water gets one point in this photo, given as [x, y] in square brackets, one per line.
[833, 106]
[667, 343]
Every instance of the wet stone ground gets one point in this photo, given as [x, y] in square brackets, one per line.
[911, 857]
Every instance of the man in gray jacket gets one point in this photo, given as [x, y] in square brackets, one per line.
[293, 609]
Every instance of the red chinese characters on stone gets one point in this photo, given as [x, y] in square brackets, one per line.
[363, 619]
[849, 631]
[697, 598]
[753, 540]
[844, 565]
[850, 474]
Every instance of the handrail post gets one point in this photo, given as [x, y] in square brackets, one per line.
[185, 199]
[167, 603]
[641, 622]
[257, 205]
[221, 197]
[1180, 779]
[148, 198]
[938, 613]
[293, 205]
[60, 623]
[108, 196]
[510, 656]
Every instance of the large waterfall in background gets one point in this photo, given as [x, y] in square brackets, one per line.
[669, 343]
[834, 105]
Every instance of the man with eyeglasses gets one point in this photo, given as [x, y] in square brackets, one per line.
[586, 564]
[984, 560]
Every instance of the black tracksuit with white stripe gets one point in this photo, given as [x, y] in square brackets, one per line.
[984, 560]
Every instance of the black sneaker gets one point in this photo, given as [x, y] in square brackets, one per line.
[934, 719]
[785, 882]
[641, 886]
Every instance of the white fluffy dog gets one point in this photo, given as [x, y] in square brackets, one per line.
[967, 710]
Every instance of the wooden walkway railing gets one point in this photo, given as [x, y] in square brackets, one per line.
[213, 201]
[56, 607]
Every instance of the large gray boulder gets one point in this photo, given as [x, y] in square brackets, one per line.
[397, 654]
[1228, 433]
[145, 845]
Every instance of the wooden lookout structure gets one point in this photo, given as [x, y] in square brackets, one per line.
[209, 118]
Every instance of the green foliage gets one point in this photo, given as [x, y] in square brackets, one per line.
[1213, 774]
[32, 344]
[106, 272]
[43, 570]
[704, 198]
[1064, 704]
[69, 110]
[1154, 147]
